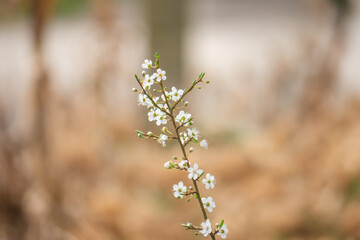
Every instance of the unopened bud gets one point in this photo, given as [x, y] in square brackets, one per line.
[191, 149]
[134, 90]
[175, 158]
[186, 103]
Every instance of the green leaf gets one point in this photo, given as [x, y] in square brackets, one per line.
[156, 55]
[201, 175]
[196, 196]
[221, 223]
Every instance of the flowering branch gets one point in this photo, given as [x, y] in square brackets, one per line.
[162, 112]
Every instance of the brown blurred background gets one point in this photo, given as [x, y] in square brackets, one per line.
[282, 117]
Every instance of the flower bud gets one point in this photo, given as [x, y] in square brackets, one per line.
[168, 164]
[186, 103]
[175, 158]
[191, 149]
[134, 90]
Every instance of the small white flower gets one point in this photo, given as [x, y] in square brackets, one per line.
[162, 139]
[209, 204]
[143, 100]
[152, 115]
[160, 117]
[176, 94]
[179, 190]
[167, 165]
[163, 106]
[223, 231]
[167, 94]
[148, 81]
[183, 118]
[194, 172]
[209, 181]
[194, 133]
[206, 228]
[183, 164]
[160, 75]
[183, 137]
[204, 144]
[147, 64]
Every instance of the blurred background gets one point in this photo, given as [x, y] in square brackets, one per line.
[282, 117]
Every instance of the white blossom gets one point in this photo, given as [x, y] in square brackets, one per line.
[183, 137]
[209, 181]
[204, 144]
[183, 118]
[167, 94]
[160, 117]
[206, 228]
[160, 75]
[153, 114]
[183, 164]
[176, 94]
[148, 81]
[209, 204]
[162, 139]
[179, 190]
[163, 106]
[194, 172]
[167, 165]
[144, 100]
[194, 133]
[147, 64]
[223, 231]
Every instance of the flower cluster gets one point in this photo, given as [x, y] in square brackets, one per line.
[166, 107]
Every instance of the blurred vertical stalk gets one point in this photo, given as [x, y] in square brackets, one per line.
[41, 11]
[166, 18]
[38, 219]
[104, 13]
